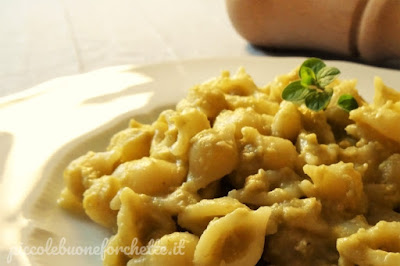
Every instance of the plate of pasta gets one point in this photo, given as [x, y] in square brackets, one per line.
[219, 161]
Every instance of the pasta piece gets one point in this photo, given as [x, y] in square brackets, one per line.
[280, 126]
[171, 250]
[132, 143]
[383, 93]
[97, 198]
[385, 119]
[239, 84]
[235, 239]
[139, 221]
[178, 200]
[386, 190]
[297, 229]
[196, 217]
[213, 154]
[151, 176]
[262, 152]
[316, 122]
[268, 187]
[338, 185]
[174, 131]
[242, 118]
[376, 246]
[206, 98]
[365, 153]
[314, 153]
[79, 173]
[70, 202]
[259, 102]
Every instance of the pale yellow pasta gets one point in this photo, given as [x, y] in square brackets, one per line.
[314, 153]
[173, 131]
[235, 175]
[197, 216]
[268, 187]
[243, 117]
[376, 246]
[235, 239]
[281, 127]
[383, 93]
[138, 220]
[132, 143]
[97, 198]
[339, 184]
[165, 176]
[170, 250]
[213, 154]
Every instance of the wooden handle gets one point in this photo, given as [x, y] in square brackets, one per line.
[369, 28]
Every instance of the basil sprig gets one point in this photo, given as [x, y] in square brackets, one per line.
[311, 89]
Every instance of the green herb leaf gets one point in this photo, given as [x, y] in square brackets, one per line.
[307, 76]
[315, 64]
[312, 88]
[295, 92]
[326, 75]
[317, 100]
[347, 102]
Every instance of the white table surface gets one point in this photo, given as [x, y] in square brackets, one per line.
[44, 39]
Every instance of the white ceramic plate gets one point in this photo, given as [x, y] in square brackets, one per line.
[44, 128]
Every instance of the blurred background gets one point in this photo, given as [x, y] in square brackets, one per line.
[45, 39]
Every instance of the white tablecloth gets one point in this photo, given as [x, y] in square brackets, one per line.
[44, 39]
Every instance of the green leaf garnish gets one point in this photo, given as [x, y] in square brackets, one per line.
[312, 88]
[326, 75]
[307, 76]
[295, 92]
[315, 64]
[318, 100]
[347, 102]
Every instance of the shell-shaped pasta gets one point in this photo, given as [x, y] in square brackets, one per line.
[316, 122]
[80, 172]
[139, 221]
[339, 185]
[173, 131]
[151, 176]
[206, 98]
[70, 202]
[197, 216]
[97, 198]
[178, 200]
[239, 84]
[132, 143]
[262, 152]
[268, 187]
[383, 93]
[242, 117]
[212, 155]
[259, 102]
[376, 246]
[385, 119]
[235, 239]
[171, 250]
[275, 152]
[280, 126]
